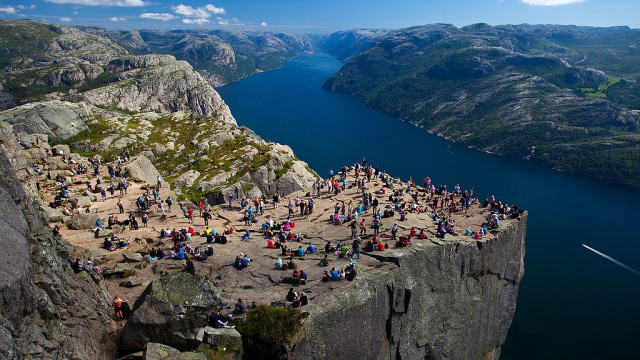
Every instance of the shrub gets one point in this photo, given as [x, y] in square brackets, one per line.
[268, 330]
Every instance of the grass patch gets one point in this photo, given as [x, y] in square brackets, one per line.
[268, 331]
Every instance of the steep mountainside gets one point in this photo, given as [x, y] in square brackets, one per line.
[44, 61]
[221, 56]
[561, 96]
[47, 312]
[347, 44]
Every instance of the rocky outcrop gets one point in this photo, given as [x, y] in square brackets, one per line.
[141, 168]
[441, 300]
[6, 101]
[162, 84]
[57, 119]
[171, 311]
[48, 312]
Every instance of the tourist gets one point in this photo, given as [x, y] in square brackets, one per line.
[117, 306]
[240, 307]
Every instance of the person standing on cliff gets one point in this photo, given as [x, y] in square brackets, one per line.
[230, 199]
[159, 181]
[356, 247]
[117, 306]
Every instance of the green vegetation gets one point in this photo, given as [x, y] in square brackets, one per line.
[268, 331]
[220, 352]
[510, 91]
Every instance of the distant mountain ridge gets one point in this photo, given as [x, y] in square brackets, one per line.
[561, 96]
[221, 56]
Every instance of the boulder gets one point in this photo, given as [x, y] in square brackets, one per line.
[54, 173]
[80, 201]
[6, 101]
[83, 221]
[162, 266]
[89, 194]
[132, 257]
[149, 155]
[61, 149]
[187, 179]
[155, 351]
[133, 281]
[52, 215]
[141, 168]
[122, 267]
[34, 155]
[220, 336]
[172, 310]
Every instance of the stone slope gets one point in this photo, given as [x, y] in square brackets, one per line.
[44, 301]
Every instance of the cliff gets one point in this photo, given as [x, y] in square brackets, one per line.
[47, 312]
[438, 300]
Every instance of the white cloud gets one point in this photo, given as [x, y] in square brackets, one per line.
[195, 21]
[8, 9]
[186, 10]
[116, 19]
[120, 3]
[75, 13]
[199, 13]
[66, 19]
[263, 23]
[223, 22]
[157, 16]
[215, 10]
[551, 2]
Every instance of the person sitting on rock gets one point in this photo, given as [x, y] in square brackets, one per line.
[240, 307]
[295, 278]
[300, 251]
[304, 300]
[77, 264]
[303, 278]
[325, 261]
[310, 249]
[216, 321]
[291, 294]
[333, 274]
[244, 262]
[108, 245]
[209, 250]
[296, 302]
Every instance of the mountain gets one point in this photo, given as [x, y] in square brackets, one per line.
[53, 62]
[221, 56]
[349, 43]
[562, 96]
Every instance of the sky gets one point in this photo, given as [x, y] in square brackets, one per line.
[320, 16]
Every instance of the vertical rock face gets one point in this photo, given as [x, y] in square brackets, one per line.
[48, 312]
[451, 300]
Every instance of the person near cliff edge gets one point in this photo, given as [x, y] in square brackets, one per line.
[117, 306]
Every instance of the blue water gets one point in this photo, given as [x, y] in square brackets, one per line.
[573, 304]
